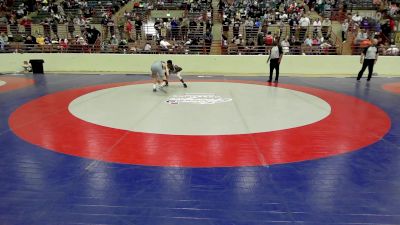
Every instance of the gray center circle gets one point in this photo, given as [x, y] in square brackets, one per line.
[244, 108]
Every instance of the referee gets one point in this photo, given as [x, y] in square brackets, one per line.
[369, 56]
[275, 55]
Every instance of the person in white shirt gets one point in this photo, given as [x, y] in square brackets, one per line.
[392, 50]
[345, 28]
[356, 18]
[304, 21]
[317, 26]
[285, 45]
[147, 47]
[3, 41]
[275, 56]
[369, 57]
[164, 44]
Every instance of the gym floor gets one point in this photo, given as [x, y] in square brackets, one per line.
[107, 150]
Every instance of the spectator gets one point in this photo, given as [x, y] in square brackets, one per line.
[345, 28]
[165, 45]
[138, 27]
[269, 39]
[308, 42]
[356, 19]
[393, 50]
[285, 45]
[147, 47]
[27, 24]
[304, 24]
[325, 47]
[128, 30]
[71, 28]
[326, 25]
[29, 43]
[63, 45]
[40, 40]
[3, 41]
[361, 36]
[317, 26]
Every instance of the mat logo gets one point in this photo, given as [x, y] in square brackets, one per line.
[197, 98]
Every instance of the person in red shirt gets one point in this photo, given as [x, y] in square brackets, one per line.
[27, 23]
[392, 24]
[63, 45]
[269, 39]
[128, 29]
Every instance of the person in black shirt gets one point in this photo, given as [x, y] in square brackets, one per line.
[174, 69]
[138, 27]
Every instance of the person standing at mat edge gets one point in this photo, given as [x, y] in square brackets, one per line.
[369, 57]
[275, 56]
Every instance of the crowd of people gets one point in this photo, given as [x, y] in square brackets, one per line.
[285, 21]
[248, 25]
[381, 26]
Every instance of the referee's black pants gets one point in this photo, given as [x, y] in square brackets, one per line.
[274, 64]
[367, 63]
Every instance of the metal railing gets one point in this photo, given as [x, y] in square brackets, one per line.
[104, 48]
[292, 50]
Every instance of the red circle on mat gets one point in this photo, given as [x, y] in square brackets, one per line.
[352, 124]
[13, 83]
[392, 87]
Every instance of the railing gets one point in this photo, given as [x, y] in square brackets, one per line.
[104, 48]
[292, 50]
[382, 50]
[358, 46]
[145, 33]
[361, 4]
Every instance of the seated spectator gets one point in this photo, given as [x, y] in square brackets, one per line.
[365, 24]
[361, 36]
[285, 45]
[317, 26]
[40, 40]
[123, 46]
[165, 45]
[392, 50]
[147, 47]
[316, 41]
[325, 47]
[308, 41]
[63, 45]
[356, 19]
[3, 41]
[114, 41]
[29, 43]
[269, 39]
[238, 40]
